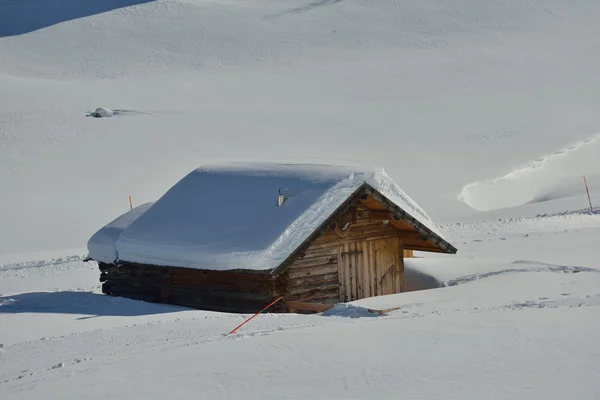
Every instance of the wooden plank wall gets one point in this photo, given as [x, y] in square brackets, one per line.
[315, 276]
[389, 265]
[224, 291]
[370, 268]
[354, 270]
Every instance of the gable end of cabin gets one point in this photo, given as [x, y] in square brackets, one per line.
[359, 254]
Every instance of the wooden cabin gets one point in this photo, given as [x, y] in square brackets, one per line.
[357, 250]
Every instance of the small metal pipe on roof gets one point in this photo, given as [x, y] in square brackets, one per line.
[281, 197]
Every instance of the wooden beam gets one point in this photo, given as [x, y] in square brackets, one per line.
[400, 214]
[384, 311]
[379, 215]
[305, 306]
[402, 225]
[416, 247]
[372, 204]
[319, 307]
[410, 235]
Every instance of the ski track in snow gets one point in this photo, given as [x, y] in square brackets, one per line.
[29, 364]
[504, 227]
[40, 263]
[536, 267]
[41, 270]
[433, 74]
[86, 351]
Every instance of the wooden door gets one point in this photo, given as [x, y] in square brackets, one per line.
[370, 268]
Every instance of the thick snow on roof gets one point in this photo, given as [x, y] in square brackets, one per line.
[224, 217]
[102, 245]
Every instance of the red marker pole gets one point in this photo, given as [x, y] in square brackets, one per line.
[130, 203]
[243, 323]
[588, 193]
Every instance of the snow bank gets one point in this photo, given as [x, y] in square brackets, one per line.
[550, 177]
[465, 341]
[101, 246]
[226, 216]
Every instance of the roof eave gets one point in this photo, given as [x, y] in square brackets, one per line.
[428, 235]
[399, 213]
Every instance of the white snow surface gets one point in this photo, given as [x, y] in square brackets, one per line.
[485, 112]
[226, 216]
[450, 96]
[502, 324]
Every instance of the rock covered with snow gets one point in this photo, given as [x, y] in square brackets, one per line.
[230, 216]
[101, 112]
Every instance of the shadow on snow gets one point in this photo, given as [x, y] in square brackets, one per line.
[23, 16]
[81, 303]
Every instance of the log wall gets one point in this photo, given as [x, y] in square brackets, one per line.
[225, 291]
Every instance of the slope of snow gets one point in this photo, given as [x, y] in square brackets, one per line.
[485, 112]
[495, 314]
[441, 93]
[555, 176]
[495, 355]
[227, 216]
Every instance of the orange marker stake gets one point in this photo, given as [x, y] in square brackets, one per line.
[130, 203]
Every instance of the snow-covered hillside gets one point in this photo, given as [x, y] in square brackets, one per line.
[484, 112]
[451, 97]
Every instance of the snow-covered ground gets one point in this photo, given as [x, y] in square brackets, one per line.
[502, 325]
[485, 113]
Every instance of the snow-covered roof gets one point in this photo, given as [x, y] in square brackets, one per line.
[224, 217]
[101, 245]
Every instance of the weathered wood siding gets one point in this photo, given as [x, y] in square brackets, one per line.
[370, 268]
[314, 277]
[326, 274]
[225, 291]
